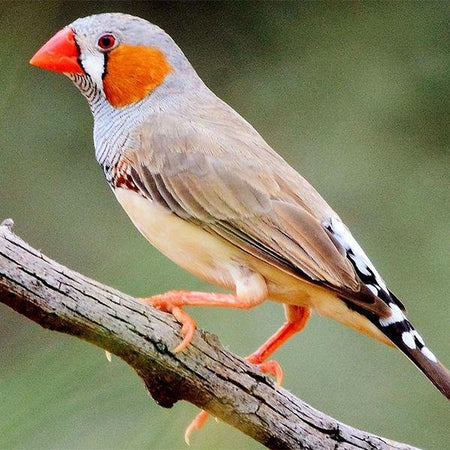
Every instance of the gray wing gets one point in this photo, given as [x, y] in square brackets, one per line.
[249, 196]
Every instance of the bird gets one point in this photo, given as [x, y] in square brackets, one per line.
[204, 188]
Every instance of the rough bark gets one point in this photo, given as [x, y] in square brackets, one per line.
[205, 374]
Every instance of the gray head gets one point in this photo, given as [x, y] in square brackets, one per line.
[118, 58]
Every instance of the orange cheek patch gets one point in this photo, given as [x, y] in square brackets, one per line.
[132, 72]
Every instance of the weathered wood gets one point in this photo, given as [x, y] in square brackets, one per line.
[205, 374]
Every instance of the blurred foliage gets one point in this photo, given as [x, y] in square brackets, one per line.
[354, 95]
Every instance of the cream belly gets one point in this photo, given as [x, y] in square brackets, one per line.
[213, 259]
[189, 246]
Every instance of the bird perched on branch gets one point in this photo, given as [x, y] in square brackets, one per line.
[202, 185]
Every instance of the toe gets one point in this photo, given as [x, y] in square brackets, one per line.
[157, 301]
[196, 424]
[271, 367]
[188, 328]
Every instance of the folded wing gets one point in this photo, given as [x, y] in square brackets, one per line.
[252, 198]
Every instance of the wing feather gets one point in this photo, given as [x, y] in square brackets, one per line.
[258, 204]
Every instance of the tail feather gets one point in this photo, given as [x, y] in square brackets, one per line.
[404, 336]
[395, 326]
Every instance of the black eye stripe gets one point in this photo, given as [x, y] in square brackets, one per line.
[105, 65]
[79, 55]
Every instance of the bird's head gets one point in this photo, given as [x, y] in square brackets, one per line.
[118, 57]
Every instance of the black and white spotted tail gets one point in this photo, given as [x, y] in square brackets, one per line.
[400, 331]
[395, 325]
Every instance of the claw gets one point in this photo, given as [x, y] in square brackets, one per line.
[196, 424]
[188, 324]
[271, 367]
[187, 330]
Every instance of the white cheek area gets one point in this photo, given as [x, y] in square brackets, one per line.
[93, 65]
[396, 316]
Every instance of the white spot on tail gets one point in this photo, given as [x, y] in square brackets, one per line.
[345, 238]
[396, 316]
[428, 354]
[372, 288]
[362, 266]
[418, 336]
[408, 339]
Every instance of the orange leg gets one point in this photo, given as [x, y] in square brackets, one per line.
[296, 318]
[173, 301]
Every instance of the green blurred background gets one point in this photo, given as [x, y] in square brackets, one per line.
[354, 95]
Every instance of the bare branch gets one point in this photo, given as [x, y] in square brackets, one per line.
[205, 374]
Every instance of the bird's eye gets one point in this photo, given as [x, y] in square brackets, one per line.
[106, 42]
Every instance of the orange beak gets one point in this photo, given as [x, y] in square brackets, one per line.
[59, 54]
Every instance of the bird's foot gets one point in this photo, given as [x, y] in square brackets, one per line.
[196, 424]
[271, 367]
[172, 302]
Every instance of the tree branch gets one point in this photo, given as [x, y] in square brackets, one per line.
[205, 374]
